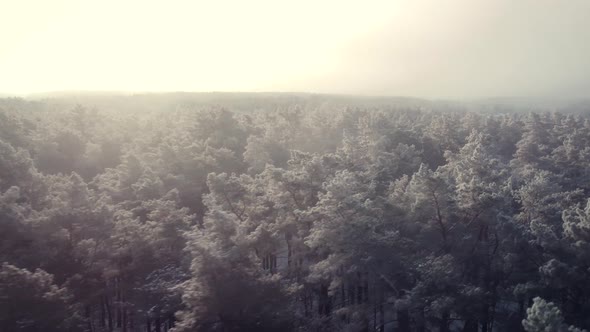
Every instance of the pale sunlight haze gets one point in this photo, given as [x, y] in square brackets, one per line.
[433, 49]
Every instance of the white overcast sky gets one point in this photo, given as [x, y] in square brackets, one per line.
[422, 48]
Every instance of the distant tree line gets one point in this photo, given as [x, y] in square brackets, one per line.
[298, 218]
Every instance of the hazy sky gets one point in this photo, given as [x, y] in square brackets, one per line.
[435, 48]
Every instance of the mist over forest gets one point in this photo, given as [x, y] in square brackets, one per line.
[293, 212]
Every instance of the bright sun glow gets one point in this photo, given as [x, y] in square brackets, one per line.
[454, 48]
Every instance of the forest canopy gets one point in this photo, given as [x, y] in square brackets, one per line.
[291, 212]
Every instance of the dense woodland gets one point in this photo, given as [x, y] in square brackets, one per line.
[292, 213]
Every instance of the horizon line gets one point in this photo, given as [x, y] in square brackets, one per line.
[130, 93]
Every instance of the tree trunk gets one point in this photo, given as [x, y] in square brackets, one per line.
[485, 318]
[102, 312]
[124, 320]
[109, 313]
[119, 311]
[381, 317]
[324, 307]
[365, 324]
[171, 320]
[403, 320]
[306, 309]
[158, 324]
[403, 316]
[374, 316]
[351, 295]
[342, 295]
[421, 325]
[521, 313]
[444, 322]
[287, 239]
[359, 293]
[359, 289]
[366, 289]
[87, 312]
[470, 325]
